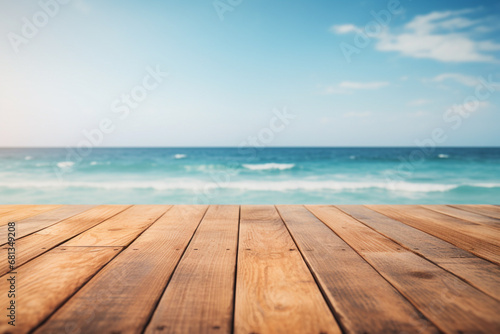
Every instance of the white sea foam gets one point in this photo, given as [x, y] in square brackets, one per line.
[179, 156]
[268, 166]
[279, 186]
[65, 164]
[443, 156]
[28, 157]
[93, 163]
[486, 185]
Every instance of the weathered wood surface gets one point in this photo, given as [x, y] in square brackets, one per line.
[252, 269]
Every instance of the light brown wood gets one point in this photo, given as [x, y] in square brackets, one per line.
[450, 303]
[42, 241]
[23, 213]
[486, 210]
[43, 220]
[121, 297]
[470, 237]
[480, 273]
[298, 275]
[205, 273]
[275, 291]
[5, 208]
[121, 229]
[46, 282]
[465, 215]
[360, 303]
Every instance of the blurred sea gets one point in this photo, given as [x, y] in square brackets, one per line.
[251, 176]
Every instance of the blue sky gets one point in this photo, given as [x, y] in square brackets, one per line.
[232, 64]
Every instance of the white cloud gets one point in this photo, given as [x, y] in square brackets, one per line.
[344, 29]
[418, 102]
[465, 80]
[446, 36]
[333, 90]
[347, 87]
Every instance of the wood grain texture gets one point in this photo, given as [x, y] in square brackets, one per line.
[464, 215]
[121, 297]
[470, 237]
[199, 297]
[121, 229]
[412, 269]
[42, 241]
[480, 273]
[361, 298]
[46, 282]
[26, 212]
[450, 303]
[43, 220]
[6, 208]
[275, 291]
[487, 210]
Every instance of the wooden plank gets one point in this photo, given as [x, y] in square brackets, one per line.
[449, 302]
[47, 281]
[486, 233]
[486, 210]
[23, 213]
[362, 299]
[476, 242]
[199, 296]
[121, 229]
[275, 291]
[42, 241]
[122, 296]
[480, 273]
[5, 208]
[464, 215]
[43, 220]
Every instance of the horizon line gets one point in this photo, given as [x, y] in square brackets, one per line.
[237, 147]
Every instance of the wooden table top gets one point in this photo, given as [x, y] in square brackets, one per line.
[250, 269]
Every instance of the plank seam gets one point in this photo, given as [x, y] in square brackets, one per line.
[236, 271]
[155, 306]
[378, 272]
[70, 296]
[62, 242]
[454, 244]
[460, 207]
[57, 222]
[323, 292]
[420, 255]
[468, 220]
[97, 272]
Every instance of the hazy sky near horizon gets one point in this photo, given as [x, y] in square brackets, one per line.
[349, 77]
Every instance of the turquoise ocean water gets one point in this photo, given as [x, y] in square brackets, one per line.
[250, 175]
